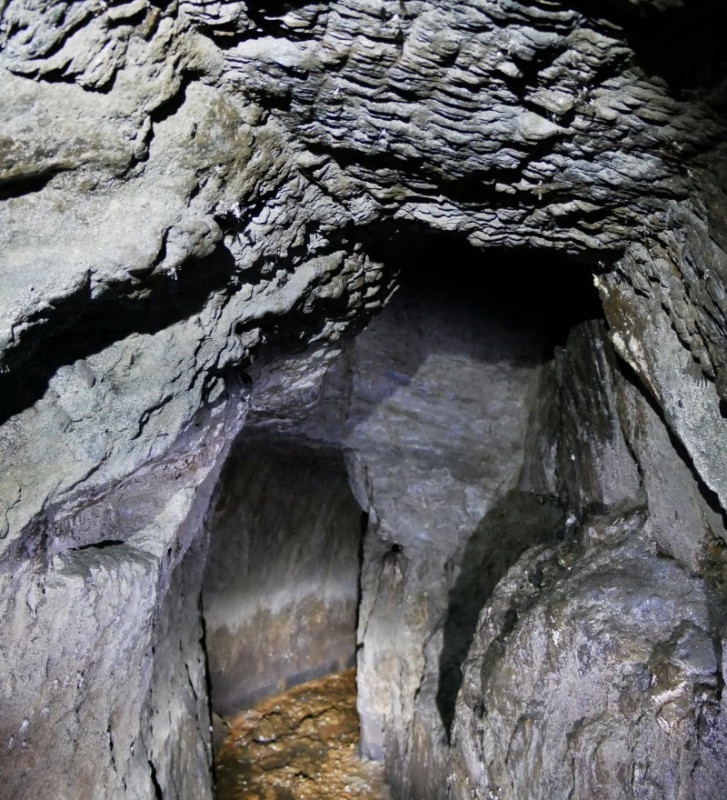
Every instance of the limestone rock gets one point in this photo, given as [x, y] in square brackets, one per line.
[595, 667]
[193, 192]
[103, 690]
[595, 673]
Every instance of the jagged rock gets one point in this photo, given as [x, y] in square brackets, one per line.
[432, 407]
[595, 673]
[595, 668]
[104, 692]
[192, 192]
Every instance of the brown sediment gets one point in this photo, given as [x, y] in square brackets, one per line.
[299, 745]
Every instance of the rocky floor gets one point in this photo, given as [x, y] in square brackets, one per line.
[299, 745]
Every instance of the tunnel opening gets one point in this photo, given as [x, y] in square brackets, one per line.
[368, 511]
[280, 591]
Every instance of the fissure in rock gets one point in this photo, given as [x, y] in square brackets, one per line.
[442, 416]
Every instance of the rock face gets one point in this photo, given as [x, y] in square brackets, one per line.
[104, 692]
[595, 669]
[439, 415]
[280, 594]
[201, 203]
[595, 673]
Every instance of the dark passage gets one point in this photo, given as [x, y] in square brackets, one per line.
[281, 584]
[446, 403]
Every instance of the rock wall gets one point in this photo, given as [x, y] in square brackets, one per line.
[434, 407]
[596, 665]
[280, 592]
[190, 188]
[439, 412]
[104, 684]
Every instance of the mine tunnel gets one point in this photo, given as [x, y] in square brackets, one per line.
[370, 527]
[466, 539]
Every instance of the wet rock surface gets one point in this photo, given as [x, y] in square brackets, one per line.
[192, 193]
[595, 673]
[300, 744]
[431, 407]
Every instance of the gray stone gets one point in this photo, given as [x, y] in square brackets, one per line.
[194, 192]
[104, 688]
[595, 673]
[595, 668]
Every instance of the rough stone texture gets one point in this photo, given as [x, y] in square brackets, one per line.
[187, 186]
[595, 467]
[175, 722]
[596, 665]
[440, 402]
[432, 407]
[103, 687]
[685, 518]
[267, 144]
[281, 587]
[595, 673]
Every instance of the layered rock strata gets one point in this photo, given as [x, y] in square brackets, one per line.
[187, 188]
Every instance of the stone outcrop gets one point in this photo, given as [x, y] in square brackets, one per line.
[104, 691]
[595, 673]
[201, 203]
[596, 665]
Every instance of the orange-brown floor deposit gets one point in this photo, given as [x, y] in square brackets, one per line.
[299, 745]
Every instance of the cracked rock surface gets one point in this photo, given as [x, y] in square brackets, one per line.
[595, 668]
[191, 188]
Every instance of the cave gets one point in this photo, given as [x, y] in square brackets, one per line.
[370, 525]
[376, 333]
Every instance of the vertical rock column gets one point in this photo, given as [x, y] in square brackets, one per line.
[437, 426]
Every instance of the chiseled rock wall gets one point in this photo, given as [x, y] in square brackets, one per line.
[595, 673]
[103, 677]
[186, 186]
[596, 665]
[280, 593]
[438, 417]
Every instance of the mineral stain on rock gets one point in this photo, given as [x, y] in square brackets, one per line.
[299, 745]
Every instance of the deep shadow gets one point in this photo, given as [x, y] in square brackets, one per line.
[683, 44]
[522, 288]
[519, 520]
[26, 184]
[521, 292]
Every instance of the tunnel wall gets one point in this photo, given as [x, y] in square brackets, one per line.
[184, 185]
[433, 405]
[280, 591]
